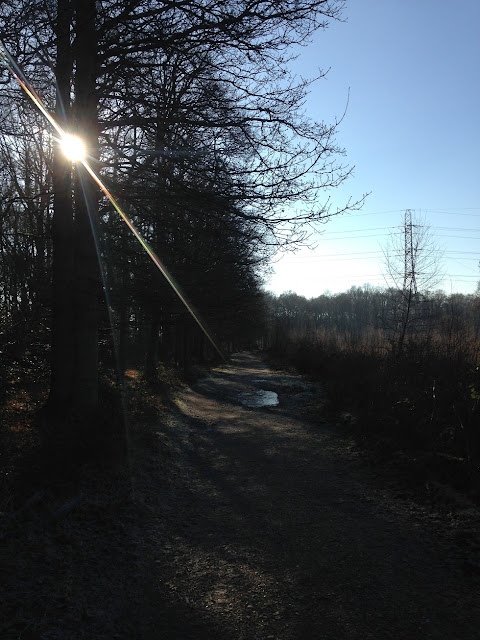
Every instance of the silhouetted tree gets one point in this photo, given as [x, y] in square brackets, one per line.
[191, 115]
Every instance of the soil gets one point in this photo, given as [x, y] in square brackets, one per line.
[245, 523]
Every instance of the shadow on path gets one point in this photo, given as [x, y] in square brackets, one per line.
[271, 531]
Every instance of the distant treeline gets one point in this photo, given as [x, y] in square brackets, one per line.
[369, 319]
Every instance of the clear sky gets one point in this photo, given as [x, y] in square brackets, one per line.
[411, 130]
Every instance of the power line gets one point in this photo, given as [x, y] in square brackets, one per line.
[384, 235]
[462, 275]
[464, 265]
[464, 237]
[369, 255]
[474, 229]
[452, 211]
[377, 235]
[358, 253]
[327, 234]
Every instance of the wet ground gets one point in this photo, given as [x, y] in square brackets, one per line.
[258, 399]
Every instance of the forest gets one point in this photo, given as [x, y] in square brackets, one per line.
[191, 118]
[140, 497]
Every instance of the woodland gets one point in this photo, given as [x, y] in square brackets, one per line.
[131, 504]
[190, 115]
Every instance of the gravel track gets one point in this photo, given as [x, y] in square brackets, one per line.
[239, 523]
[274, 528]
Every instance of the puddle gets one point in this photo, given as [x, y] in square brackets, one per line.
[260, 398]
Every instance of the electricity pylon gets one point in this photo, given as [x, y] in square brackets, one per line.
[409, 275]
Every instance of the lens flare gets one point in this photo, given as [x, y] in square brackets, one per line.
[153, 256]
[73, 147]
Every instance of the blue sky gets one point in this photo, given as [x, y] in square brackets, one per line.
[412, 132]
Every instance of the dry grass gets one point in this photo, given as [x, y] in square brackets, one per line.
[425, 401]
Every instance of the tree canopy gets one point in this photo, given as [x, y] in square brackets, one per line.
[193, 119]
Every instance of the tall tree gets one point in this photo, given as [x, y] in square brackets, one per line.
[227, 144]
[87, 278]
[63, 352]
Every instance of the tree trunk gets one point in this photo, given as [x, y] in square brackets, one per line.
[407, 301]
[151, 354]
[62, 356]
[123, 338]
[87, 280]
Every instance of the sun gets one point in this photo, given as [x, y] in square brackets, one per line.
[72, 147]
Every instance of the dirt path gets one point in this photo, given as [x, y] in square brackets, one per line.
[272, 527]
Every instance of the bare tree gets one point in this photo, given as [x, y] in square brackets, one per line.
[190, 108]
[413, 260]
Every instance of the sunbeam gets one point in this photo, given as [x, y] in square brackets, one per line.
[74, 149]
[153, 256]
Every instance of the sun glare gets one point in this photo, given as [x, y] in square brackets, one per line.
[73, 147]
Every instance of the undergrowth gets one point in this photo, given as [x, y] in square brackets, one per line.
[421, 407]
[37, 454]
